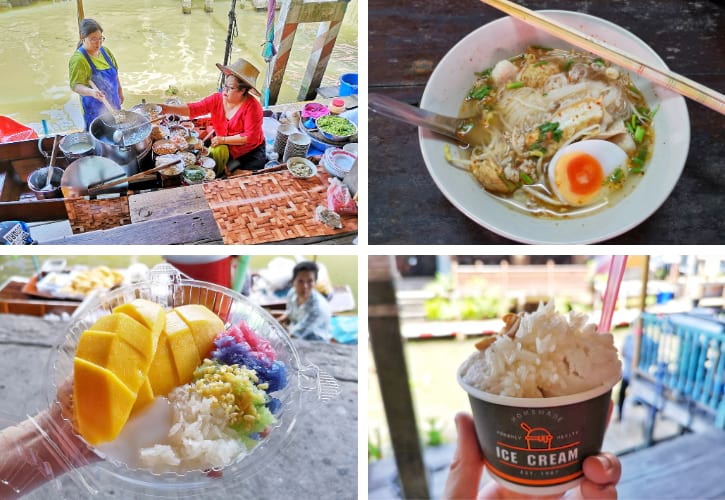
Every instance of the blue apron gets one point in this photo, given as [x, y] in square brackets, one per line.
[107, 82]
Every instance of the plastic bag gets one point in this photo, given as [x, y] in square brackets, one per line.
[12, 131]
[339, 199]
[328, 217]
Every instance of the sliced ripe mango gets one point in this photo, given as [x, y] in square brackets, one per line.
[129, 330]
[150, 314]
[182, 346]
[128, 364]
[102, 402]
[95, 347]
[204, 325]
[162, 374]
[145, 396]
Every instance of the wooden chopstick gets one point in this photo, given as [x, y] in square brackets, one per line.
[677, 83]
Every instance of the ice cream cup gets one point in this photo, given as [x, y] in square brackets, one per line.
[536, 446]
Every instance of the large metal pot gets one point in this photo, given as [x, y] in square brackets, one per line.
[135, 145]
[91, 170]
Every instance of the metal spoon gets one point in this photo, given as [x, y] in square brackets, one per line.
[454, 128]
[119, 132]
[48, 186]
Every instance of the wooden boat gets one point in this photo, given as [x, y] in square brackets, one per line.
[17, 202]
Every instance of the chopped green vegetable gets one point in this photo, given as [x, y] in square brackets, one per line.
[636, 170]
[639, 134]
[654, 111]
[537, 146]
[485, 73]
[514, 85]
[540, 63]
[598, 60]
[634, 89]
[616, 176]
[335, 125]
[525, 177]
[514, 58]
[552, 127]
[479, 92]
[568, 64]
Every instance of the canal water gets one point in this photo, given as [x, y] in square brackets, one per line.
[159, 50]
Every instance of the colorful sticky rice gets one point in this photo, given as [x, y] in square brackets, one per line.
[226, 408]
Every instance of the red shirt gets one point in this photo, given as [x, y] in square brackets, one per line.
[246, 122]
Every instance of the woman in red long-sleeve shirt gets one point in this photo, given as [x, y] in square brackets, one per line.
[236, 116]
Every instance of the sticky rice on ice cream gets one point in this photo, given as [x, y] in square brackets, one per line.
[543, 354]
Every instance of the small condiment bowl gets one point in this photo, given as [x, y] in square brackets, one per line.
[302, 168]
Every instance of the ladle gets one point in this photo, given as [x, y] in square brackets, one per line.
[118, 133]
[48, 186]
[454, 128]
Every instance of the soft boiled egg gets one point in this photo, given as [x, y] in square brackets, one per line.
[577, 172]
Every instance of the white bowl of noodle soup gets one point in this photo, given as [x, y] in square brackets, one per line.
[452, 79]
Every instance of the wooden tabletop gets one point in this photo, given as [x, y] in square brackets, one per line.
[408, 38]
[686, 467]
[176, 216]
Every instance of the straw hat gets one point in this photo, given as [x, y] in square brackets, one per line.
[243, 70]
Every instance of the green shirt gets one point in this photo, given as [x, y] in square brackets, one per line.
[80, 71]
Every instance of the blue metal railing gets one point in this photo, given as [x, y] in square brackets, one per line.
[686, 354]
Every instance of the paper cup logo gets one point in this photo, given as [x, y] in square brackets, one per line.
[539, 450]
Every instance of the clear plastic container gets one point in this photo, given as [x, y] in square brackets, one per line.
[307, 385]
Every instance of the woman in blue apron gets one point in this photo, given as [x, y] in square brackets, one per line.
[93, 63]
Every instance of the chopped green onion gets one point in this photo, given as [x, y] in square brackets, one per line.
[537, 153]
[636, 170]
[514, 85]
[568, 64]
[639, 134]
[540, 63]
[654, 111]
[537, 146]
[486, 72]
[634, 89]
[479, 92]
[525, 177]
[637, 161]
[548, 126]
[616, 176]
[598, 60]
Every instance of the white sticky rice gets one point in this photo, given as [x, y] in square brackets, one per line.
[199, 439]
[550, 355]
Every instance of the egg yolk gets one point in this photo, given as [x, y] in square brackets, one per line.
[579, 177]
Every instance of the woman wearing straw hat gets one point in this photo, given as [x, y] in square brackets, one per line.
[236, 116]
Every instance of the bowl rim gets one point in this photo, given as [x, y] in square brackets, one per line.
[624, 215]
[333, 136]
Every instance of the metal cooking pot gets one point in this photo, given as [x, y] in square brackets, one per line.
[136, 142]
[90, 170]
[77, 145]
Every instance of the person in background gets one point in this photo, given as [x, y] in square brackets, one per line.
[236, 117]
[93, 64]
[308, 312]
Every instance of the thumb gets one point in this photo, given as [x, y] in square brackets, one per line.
[467, 466]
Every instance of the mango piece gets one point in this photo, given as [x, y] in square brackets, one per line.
[182, 346]
[102, 403]
[204, 325]
[150, 314]
[95, 347]
[163, 376]
[145, 396]
[129, 330]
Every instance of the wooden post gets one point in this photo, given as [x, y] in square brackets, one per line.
[294, 12]
[387, 347]
[639, 322]
[81, 15]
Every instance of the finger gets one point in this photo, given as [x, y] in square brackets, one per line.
[467, 465]
[602, 469]
[588, 489]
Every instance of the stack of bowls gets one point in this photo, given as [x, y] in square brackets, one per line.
[280, 140]
[297, 145]
[337, 162]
